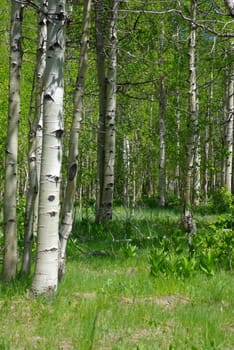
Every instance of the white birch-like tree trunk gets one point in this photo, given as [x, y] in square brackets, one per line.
[46, 273]
[197, 173]
[162, 144]
[177, 167]
[207, 145]
[230, 119]
[100, 28]
[67, 210]
[35, 145]
[109, 147]
[10, 190]
[162, 123]
[126, 164]
[229, 135]
[187, 217]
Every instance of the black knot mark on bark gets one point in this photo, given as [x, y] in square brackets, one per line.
[52, 213]
[59, 133]
[51, 198]
[72, 171]
[61, 16]
[53, 178]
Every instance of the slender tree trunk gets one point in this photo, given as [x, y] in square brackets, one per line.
[10, 191]
[162, 126]
[230, 121]
[229, 132]
[67, 210]
[107, 108]
[187, 218]
[109, 148]
[35, 144]
[177, 167]
[162, 146]
[126, 163]
[197, 174]
[207, 146]
[100, 27]
[46, 274]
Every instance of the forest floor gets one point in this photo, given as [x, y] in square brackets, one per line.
[109, 298]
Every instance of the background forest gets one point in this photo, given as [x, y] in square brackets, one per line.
[116, 155]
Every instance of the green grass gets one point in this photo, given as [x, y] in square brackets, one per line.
[112, 301]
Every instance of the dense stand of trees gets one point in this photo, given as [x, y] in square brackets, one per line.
[139, 105]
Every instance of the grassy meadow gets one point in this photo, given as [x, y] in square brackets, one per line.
[117, 294]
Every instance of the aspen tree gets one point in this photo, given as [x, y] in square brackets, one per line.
[46, 273]
[67, 210]
[109, 148]
[100, 28]
[187, 218]
[107, 86]
[10, 191]
[229, 120]
[35, 145]
[162, 124]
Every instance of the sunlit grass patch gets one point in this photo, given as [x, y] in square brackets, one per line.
[112, 301]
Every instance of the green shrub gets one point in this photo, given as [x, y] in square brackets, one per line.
[222, 201]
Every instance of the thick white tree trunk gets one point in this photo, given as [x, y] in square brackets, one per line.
[10, 191]
[67, 210]
[46, 273]
[35, 145]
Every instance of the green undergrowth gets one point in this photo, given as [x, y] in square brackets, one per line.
[115, 296]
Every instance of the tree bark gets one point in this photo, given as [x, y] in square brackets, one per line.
[162, 146]
[187, 218]
[229, 120]
[107, 111]
[67, 210]
[35, 145]
[46, 273]
[10, 191]
[100, 27]
[109, 148]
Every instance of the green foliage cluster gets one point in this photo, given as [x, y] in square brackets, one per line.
[222, 201]
[212, 250]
